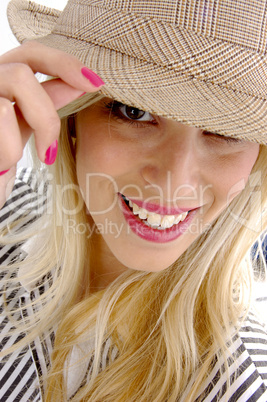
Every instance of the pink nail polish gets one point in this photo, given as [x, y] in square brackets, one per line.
[82, 94]
[3, 172]
[51, 153]
[92, 77]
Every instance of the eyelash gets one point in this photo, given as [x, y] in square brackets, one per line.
[114, 108]
[230, 140]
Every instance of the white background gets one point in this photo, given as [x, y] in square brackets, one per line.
[7, 40]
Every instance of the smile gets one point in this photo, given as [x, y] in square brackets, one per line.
[151, 226]
[154, 220]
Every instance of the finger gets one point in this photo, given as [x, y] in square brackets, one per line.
[11, 145]
[61, 93]
[56, 63]
[7, 182]
[18, 84]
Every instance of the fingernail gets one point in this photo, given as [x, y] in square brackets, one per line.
[51, 153]
[92, 77]
[82, 94]
[3, 172]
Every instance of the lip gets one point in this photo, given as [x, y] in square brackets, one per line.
[158, 209]
[155, 235]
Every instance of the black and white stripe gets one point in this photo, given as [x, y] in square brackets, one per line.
[247, 368]
[20, 372]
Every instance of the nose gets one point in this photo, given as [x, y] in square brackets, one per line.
[174, 168]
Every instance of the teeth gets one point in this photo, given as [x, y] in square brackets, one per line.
[180, 218]
[183, 216]
[167, 221]
[143, 213]
[177, 219]
[153, 219]
[136, 209]
[156, 220]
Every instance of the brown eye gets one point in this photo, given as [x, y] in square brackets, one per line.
[134, 113]
[130, 114]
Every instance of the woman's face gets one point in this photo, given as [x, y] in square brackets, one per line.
[152, 185]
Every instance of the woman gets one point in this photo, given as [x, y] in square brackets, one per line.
[123, 266]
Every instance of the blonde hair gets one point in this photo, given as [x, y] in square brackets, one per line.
[165, 325]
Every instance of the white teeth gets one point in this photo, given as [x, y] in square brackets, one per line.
[143, 213]
[183, 216]
[177, 219]
[180, 218]
[156, 220]
[167, 221]
[136, 209]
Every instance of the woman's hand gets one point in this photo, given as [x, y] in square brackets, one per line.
[26, 106]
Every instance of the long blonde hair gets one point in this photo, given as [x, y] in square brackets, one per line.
[165, 325]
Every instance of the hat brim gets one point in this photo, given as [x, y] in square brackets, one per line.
[147, 86]
[30, 21]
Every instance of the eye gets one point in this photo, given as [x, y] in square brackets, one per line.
[130, 114]
[222, 138]
[134, 113]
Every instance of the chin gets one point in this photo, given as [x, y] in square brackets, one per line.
[147, 264]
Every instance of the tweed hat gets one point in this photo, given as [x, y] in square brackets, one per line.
[200, 62]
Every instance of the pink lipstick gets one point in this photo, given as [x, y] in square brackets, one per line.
[157, 235]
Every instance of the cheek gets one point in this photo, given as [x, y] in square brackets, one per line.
[100, 163]
[230, 177]
[98, 152]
